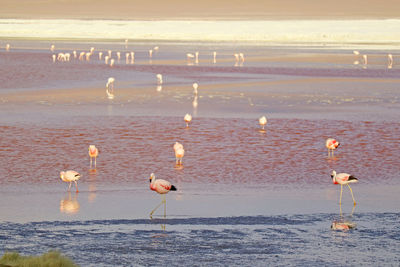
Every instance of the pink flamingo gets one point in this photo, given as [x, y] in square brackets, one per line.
[69, 177]
[179, 152]
[162, 187]
[93, 153]
[344, 179]
[188, 119]
[331, 144]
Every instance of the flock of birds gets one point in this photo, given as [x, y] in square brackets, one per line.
[163, 186]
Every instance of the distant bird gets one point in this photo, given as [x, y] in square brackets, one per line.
[156, 49]
[365, 58]
[214, 57]
[331, 144]
[109, 53]
[132, 57]
[390, 61]
[344, 179]
[112, 62]
[195, 86]
[88, 54]
[93, 153]
[179, 153]
[52, 48]
[118, 56]
[69, 177]
[241, 56]
[54, 58]
[110, 88]
[91, 50]
[355, 52]
[189, 56]
[197, 57]
[159, 79]
[262, 121]
[162, 187]
[188, 119]
[150, 53]
[106, 59]
[100, 55]
[8, 47]
[74, 53]
[81, 55]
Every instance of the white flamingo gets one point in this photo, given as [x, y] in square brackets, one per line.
[365, 58]
[110, 88]
[118, 56]
[69, 177]
[390, 61]
[109, 53]
[262, 121]
[214, 57]
[81, 55]
[187, 119]
[52, 47]
[179, 153]
[162, 187]
[100, 55]
[8, 46]
[54, 58]
[106, 59]
[150, 53]
[112, 62]
[197, 57]
[195, 86]
[132, 57]
[74, 53]
[159, 79]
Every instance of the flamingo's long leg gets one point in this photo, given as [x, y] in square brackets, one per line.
[69, 187]
[95, 163]
[76, 185]
[151, 213]
[165, 207]
[351, 191]
[90, 162]
[340, 213]
[341, 191]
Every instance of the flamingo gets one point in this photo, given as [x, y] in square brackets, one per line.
[112, 62]
[214, 57]
[355, 52]
[100, 55]
[74, 53]
[262, 121]
[189, 56]
[150, 53]
[109, 53]
[110, 88]
[54, 58]
[127, 58]
[69, 177]
[195, 86]
[241, 56]
[67, 56]
[118, 56]
[132, 57]
[342, 226]
[179, 153]
[91, 50]
[156, 49]
[331, 144]
[344, 179]
[159, 79]
[365, 58]
[197, 57]
[87, 55]
[52, 48]
[93, 153]
[390, 61]
[8, 47]
[188, 119]
[162, 187]
[106, 59]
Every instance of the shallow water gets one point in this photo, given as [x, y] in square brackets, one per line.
[245, 196]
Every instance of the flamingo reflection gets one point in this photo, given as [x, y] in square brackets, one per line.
[344, 224]
[69, 205]
[162, 187]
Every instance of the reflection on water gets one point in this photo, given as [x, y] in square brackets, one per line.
[344, 223]
[69, 204]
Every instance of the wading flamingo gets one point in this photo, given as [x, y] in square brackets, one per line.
[109, 53]
[119, 56]
[132, 57]
[365, 58]
[179, 153]
[52, 48]
[110, 88]
[195, 86]
[344, 179]
[69, 177]
[197, 57]
[262, 121]
[93, 153]
[331, 144]
[150, 53]
[8, 47]
[74, 53]
[100, 55]
[159, 79]
[188, 119]
[112, 62]
[390, 61]
[54, 58]
[162, 187]
[214, 57]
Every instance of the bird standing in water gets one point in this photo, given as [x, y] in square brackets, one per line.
[188, 119]
[179, 153]
[162, 187]
[262, 121]
[93, 153]
[344, 179]
[69, 177]
[331, 144]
